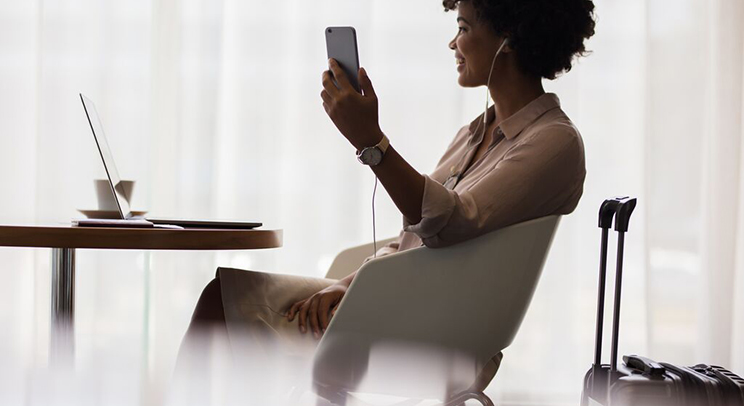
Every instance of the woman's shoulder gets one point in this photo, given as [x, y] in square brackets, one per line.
[554, 127]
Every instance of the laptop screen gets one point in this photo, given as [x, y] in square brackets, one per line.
[122, 201]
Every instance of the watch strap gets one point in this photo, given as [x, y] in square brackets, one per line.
[383, 144]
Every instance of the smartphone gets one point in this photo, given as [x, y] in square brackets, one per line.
[341, 44]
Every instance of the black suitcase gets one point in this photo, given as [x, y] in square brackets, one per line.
[641, 381]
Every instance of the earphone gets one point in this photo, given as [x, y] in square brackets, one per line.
[490, 72]
[455, 176]
[374, 232]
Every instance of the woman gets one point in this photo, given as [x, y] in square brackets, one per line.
[524, 159]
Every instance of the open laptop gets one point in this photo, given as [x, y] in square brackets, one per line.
[122, 203]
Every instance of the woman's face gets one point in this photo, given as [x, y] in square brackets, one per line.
[475, 46]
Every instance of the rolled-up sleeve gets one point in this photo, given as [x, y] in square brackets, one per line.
[541, 176]
[437, 207]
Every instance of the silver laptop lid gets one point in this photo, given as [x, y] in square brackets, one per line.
[122, 201]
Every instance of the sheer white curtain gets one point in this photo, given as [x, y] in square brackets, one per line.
[214, 108]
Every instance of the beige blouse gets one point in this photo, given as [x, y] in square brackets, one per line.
[534, 167]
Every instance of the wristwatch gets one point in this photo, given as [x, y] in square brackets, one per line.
[373, 155]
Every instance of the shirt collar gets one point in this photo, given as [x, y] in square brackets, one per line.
[514, 125]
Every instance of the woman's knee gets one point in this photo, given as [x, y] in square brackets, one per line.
[209, 308]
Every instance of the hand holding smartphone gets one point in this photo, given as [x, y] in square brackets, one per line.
[341, 44]
[354, 112]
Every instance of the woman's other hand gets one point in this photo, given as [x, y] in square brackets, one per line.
[316, 311]
[355, 115]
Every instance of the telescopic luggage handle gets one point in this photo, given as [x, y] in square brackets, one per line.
[607, 211]
[621, 208]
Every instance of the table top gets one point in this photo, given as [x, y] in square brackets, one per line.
[137, 238]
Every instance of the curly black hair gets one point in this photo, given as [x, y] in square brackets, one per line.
[544, 34]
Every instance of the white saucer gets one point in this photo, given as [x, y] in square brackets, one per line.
[107, 214]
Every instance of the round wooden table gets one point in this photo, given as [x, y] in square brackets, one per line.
[65, 239]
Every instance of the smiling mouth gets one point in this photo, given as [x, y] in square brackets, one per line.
[459, 61]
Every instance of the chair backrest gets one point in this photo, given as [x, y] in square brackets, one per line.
[350, 259]
[471, 296]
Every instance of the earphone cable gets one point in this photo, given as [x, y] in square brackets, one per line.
[488, 83]
[374, 231]
[485, 115]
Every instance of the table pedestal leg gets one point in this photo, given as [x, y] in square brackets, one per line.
[62, 343]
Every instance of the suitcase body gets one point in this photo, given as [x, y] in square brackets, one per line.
[701, 385]
[640, 381]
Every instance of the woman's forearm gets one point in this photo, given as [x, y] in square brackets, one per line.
[355, 115]
[403, 183]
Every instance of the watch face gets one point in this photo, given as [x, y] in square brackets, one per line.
[371, 156]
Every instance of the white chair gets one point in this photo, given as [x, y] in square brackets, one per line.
[350, 259]
[422, 323]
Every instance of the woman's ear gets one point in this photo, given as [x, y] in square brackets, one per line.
[507, 46]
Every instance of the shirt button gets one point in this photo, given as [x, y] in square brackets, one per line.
[499, 132]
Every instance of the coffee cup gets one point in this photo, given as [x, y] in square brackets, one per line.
[105, 196]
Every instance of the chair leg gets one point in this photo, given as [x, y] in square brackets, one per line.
[331, 398]
[340, 399]
[407, 402]
[459, 399]
[325, 402]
